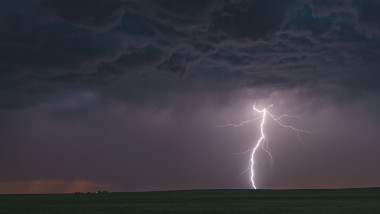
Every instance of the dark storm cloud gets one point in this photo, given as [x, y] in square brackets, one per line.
[33, 47]
[305, 21]
[250, 19]
[120, 91]
[93, 14]
[183, 13]
[71, 41]
[368, 12]
[148, 55]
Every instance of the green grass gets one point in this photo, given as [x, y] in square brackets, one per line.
[360, 201]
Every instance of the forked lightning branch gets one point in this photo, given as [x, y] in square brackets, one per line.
[263, 115]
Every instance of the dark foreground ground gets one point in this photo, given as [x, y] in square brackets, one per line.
[360, 201]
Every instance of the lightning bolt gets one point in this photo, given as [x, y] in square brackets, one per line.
[259, 142]
[262, 141]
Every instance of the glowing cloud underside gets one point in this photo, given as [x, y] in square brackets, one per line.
[261, 141]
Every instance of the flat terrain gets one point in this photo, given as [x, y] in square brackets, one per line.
[360, 201]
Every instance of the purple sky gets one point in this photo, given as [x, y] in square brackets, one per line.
[123, 95]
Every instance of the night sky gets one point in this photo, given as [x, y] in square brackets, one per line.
[123, 95]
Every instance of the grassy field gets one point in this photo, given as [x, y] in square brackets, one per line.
[360, 201]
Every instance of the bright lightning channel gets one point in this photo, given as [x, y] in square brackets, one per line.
[262, 141]
[262, 138]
